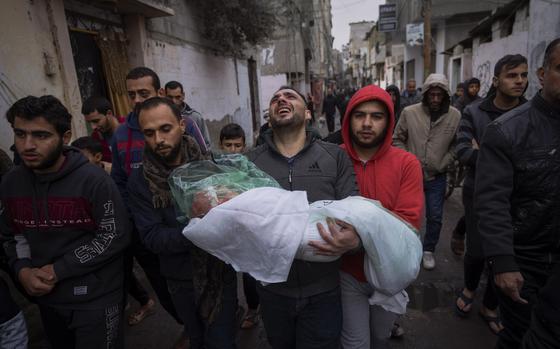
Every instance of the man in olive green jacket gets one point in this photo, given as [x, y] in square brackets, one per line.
[427, 130]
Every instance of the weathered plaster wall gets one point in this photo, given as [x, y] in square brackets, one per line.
[544, 27]
[486, 55]
[34, 57]
[269, 85]
[215, 85]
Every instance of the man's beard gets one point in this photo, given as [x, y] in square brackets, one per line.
[171, 157]
[295, 123]
[51, 158]
[375, 143]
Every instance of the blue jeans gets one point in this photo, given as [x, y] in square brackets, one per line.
[434, 192]
[221, 333]
[302, 323]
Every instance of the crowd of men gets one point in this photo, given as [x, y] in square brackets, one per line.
[71, 231]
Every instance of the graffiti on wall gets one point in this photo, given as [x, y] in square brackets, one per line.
[483, 72]
[535, 61]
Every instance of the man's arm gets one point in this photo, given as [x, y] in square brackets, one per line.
[465, 148]
[340, 237]
[400, 135]
[118, 173]
[14, 244]
[410, 199]
[194, 131]
[111, 237]
[155, 235]
[493, 188]
[346, 184]
[199, 120]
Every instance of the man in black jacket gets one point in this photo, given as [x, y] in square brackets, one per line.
[166, 148]
[69, 228]
[305, 311]
[510, 82]
[517, 192]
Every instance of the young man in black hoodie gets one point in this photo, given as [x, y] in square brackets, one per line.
[69, 228]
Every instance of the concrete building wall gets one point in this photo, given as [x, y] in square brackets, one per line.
[534, 27]
[215, 85]
[36, 59]
[269, 85]
[486, 55]
[544, 27]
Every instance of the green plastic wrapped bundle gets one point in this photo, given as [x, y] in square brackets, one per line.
[200, 185]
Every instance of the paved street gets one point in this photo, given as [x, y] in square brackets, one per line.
[429, 323]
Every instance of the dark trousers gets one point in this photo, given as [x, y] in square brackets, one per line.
[250, 290]
[313, 322]
[474, 261]
[542, 334]
[434, 192]
[84, 329]
[330, 122]
[515, 316]
[150, 264]
[220, 334]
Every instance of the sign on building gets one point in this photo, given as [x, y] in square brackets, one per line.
[267, 55]
[415, 34]
[387, 18]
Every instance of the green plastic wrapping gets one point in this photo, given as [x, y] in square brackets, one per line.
[200, 185]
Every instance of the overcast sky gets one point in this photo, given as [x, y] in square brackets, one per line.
[348, 11]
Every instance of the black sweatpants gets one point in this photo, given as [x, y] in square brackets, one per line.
[149, 262]
[84, 329]
[544, 332]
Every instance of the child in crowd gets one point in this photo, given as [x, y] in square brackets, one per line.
[92, 149]
[232, 141]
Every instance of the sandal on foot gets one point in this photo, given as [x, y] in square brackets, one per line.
[491, 320]
[143, 312]
[467, 301]
[250, 320]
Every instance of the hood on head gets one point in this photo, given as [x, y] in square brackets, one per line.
[366, 94]
[132, 121]
[436, 80]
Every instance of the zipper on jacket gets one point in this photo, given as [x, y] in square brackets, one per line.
[290, 174]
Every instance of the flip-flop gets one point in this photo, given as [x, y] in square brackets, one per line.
[491, 320]
[143, 312]
[468, 301]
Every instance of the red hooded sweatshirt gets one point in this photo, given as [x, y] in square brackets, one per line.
[392, 176]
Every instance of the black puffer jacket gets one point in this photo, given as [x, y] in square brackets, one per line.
[325, 172]
[517, 189]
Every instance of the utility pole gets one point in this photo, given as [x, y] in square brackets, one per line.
[427, 12]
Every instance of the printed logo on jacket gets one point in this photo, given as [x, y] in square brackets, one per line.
[60, 212]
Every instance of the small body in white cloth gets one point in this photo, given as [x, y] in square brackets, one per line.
[261, 231]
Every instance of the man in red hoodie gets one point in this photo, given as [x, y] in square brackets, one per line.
[393, 177]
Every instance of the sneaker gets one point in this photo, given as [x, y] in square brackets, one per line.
[428, 260]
